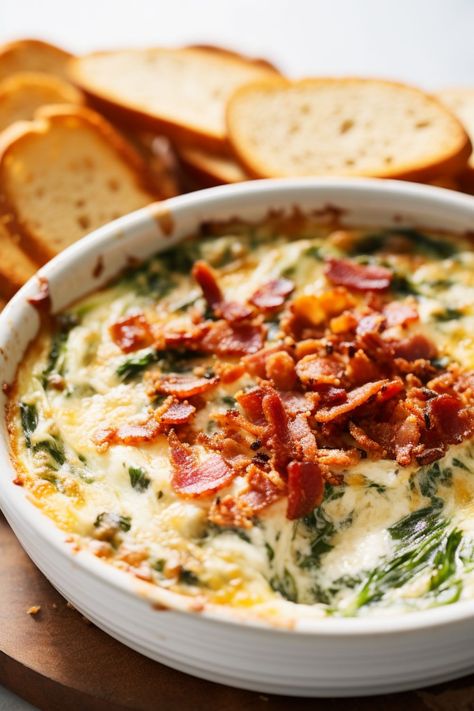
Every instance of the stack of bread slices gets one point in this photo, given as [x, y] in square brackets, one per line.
[84, 140]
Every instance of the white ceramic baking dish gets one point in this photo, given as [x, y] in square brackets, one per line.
[325, 657]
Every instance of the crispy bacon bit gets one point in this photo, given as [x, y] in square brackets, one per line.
[330, 396]
[263, 488]
[372, 323]
[400, 313]
[232, 339]
[272, 295]
[279, 435]
[305, 488]
[358, 277]
[405, 439]
[296, 403]
[207, 280]
[314, 370]
[183, 385]
[355, 398]
[280, 369]
[188, 338]
[251, 403]
[415, 347]
[453, 421]
[174, 412]
[205, 276]
[365, 442]
[193, 478]
[255, 364]
[131, 333]
[304, 441]
[230, 512]
[129, 434]
[338, 458]
[362, 369]
[391, 389]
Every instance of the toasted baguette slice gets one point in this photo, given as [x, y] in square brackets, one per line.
[461, 103]
[23, 93]
[211, 168]
[180, 92]
[65, 174]
[360, 127]
[15, 266]
[31, 55]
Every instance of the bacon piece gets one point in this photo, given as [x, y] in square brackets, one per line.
[188, 338]
[232, 339]
[233, 421]
[305, 488]
[131, 333]
[371, 323]
[405, 438]
[175, 413]
[230, 512]
[400, 313]
[183, 385]
[330, 396]
[279, 438]
[296, 403]
[391, 389]
[365, 442]
[338, 458]
[415, 347]
[362, 369]
[304, 441]
[207, 280]
[205, 276]
[129, 434]
[255, 363]
[314, 370]
[251, 402]
[358, 277]
[453, 421]
[193, 478]
[355, 398]
[263, 488]
[280, 369]
[272, 295]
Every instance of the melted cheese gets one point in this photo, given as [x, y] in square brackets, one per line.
[334, 562]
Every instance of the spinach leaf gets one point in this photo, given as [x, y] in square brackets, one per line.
[138, 478]
[285, 585]
[29, 420]
[132, 367]
[64, 324]
[54, 447]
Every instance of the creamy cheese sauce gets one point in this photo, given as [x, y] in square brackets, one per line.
[387, 539]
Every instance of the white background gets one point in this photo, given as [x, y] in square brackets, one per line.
[426, 42]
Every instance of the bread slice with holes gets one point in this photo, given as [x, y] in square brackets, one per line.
[32, 55]
[359, 127]
[23, 93]
[15, 265]
[65, 174]
[461, 102]
[209, 168]
[179, 92]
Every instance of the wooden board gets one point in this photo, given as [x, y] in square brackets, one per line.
[57, 661]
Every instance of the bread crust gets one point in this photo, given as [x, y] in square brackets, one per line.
[45, 119]
[441, 165]
[181, 133]
[210, 169]
[12, 56]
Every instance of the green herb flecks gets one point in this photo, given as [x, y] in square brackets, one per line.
[134, 366]
[285, 585]
[54, 448]
[448, 314]
[54, 366]
[139, 478]
[29, 420]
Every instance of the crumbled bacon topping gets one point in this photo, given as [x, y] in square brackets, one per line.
[346, 377]
[131, 333]
[359, 277]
